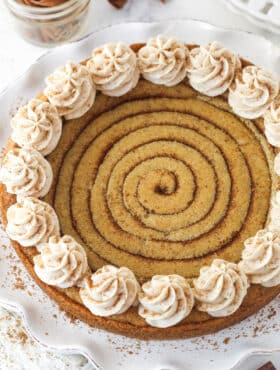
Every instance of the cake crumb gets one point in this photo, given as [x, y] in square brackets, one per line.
[19, 284]
[272, 313]
[226, 340]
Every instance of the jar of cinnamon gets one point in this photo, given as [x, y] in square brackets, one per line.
[49, 22]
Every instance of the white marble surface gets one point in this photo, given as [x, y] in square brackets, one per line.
[16, 55]
[19, 351]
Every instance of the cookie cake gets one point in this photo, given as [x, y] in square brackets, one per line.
[140, 188]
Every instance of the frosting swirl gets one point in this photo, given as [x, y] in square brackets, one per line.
[165, 300]
[25, 172]
[261, 258]
[272, 123]
[220, 288]
[71, 90]
[38, 126]
[110, 291]
[252, 92]
[274, 224]
[211, 69]
[62, 262]
[277, 164]
[31, 222]
[42, 3]
[163, 61]
[113, 68]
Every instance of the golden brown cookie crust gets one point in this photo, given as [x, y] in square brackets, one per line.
[256, 298]
[130, 323]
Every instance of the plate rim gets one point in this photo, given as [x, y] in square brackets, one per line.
[256, 18]
[19, 308]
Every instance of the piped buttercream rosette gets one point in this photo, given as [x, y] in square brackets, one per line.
[110, 291]
[38, 126]
[272, 123]
[220, 288]
[26, 172]
[165, 300]
[62, 262]
[252, 91]
[163, 61]
[114, 69]
[71, 90]
[31, 222]
[211, 69]
[261, 258]
[274, 223]
[277, 164]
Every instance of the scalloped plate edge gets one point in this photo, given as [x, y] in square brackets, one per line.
[18, 308]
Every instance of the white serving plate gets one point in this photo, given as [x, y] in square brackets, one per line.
[227, 349]
[263, 13]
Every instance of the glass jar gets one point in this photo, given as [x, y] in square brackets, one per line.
[50, 26]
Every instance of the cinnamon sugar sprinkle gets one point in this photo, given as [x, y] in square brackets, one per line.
[263, 323]
[15, 336]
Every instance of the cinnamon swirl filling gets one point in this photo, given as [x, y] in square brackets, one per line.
[161, 181]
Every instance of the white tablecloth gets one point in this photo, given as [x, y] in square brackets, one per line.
[17, 350]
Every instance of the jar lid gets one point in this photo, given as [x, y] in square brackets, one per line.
[42, 3]
[39, 13]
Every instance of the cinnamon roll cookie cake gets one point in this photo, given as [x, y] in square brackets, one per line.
[140, 188]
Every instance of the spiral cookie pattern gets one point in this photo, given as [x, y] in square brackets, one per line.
[161, 181]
